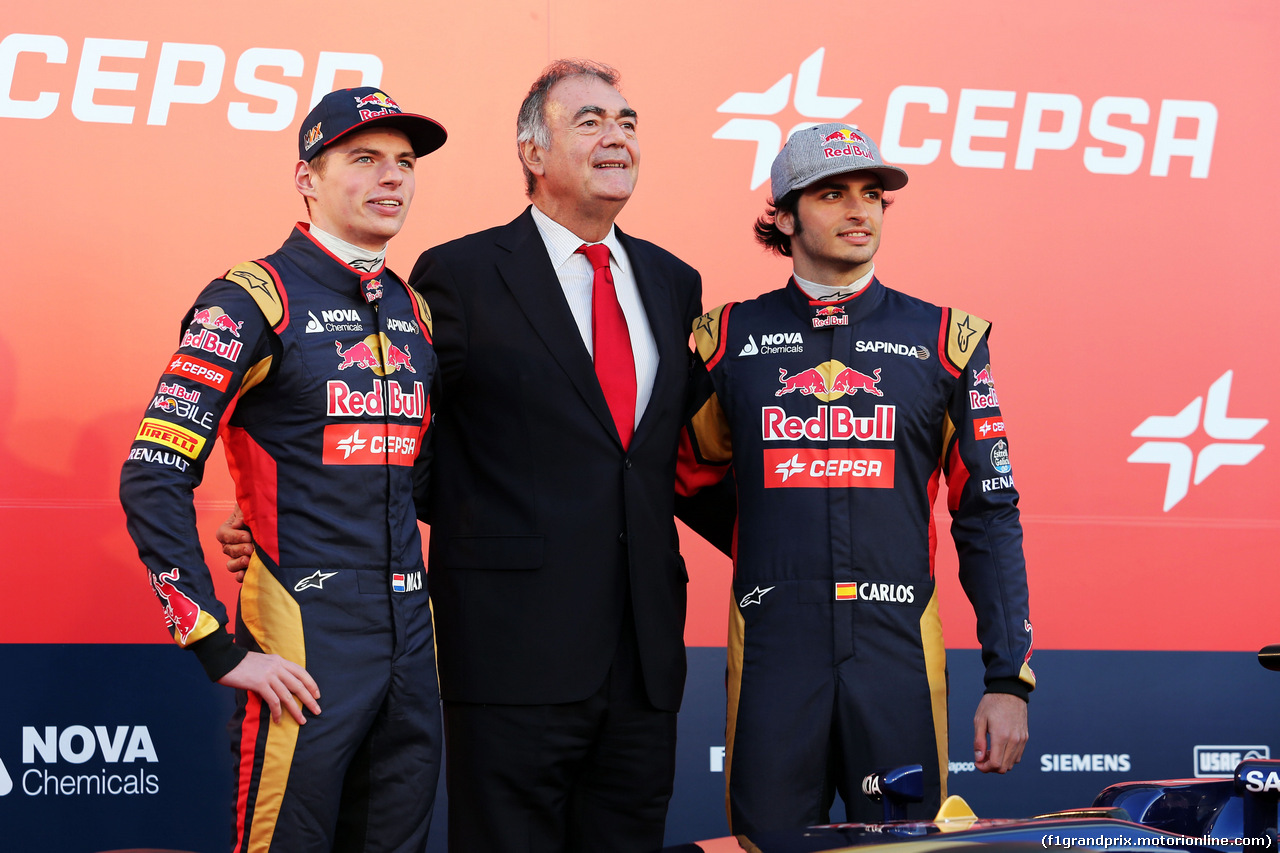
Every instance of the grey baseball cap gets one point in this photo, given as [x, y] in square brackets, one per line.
[829, 149]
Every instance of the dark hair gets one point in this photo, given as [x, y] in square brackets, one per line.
[531, 123]
[766, 227]
[767, 232]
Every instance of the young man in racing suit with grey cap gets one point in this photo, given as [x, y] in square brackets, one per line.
[839, 404]
[313, 365]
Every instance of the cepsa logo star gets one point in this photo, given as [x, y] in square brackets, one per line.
[1217, 425]
[766, 134]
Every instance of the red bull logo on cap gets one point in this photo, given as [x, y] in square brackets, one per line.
[846, 143]
[844, 135]
[376, 105]
[829, 381]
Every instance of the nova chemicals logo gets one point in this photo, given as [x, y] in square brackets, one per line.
[79, 761]
[1228, 448]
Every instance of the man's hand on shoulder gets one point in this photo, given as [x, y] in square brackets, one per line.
[278, 682]
[1001, 718]
[236, 542]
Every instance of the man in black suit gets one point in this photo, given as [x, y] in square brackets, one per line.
[555, 571]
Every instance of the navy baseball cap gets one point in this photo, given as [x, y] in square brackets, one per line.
[345, 110]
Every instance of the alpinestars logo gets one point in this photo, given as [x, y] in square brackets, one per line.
[1217, 425]
[756, 596]
[766, 134]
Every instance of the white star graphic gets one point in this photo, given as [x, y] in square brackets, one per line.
[1179, 457]
[791, 466]
[351, 445]
[766, 134]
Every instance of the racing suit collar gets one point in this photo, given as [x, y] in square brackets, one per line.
[324, 266]
[823, 314]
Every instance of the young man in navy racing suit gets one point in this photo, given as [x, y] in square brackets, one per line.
[839, 404]
[313, 365]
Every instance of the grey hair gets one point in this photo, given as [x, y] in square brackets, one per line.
[531, 123]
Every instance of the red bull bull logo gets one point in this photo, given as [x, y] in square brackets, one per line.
[846, 143]
[829, 315]
[844, 135]
[365, 355]
[373, 290]
[377, 99]
[983, 377]
[398, 358]
[829, 380]
[180, 612]
[806, 382]
[850, 381]
[216, 318]
[361, 355]
[375, 105]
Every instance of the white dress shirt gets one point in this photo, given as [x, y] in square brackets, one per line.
[576, 275]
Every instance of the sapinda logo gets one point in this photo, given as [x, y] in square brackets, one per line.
[97, 751]
[26, 57]
[1050, 121]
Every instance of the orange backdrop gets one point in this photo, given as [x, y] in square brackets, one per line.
[1095, 179]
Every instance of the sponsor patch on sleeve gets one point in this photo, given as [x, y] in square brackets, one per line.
[186, 442]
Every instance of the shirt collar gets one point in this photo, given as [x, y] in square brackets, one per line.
[563, 243]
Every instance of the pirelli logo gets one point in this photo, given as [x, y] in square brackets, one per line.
[186, 442]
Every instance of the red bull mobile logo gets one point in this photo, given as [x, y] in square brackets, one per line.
[829, 381]
[376, 353]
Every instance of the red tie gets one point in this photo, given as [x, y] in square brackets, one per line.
[615, 363]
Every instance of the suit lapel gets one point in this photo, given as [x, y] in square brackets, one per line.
[526, 269]
[655, 294]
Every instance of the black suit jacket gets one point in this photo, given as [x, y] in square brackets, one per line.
[541, 524]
